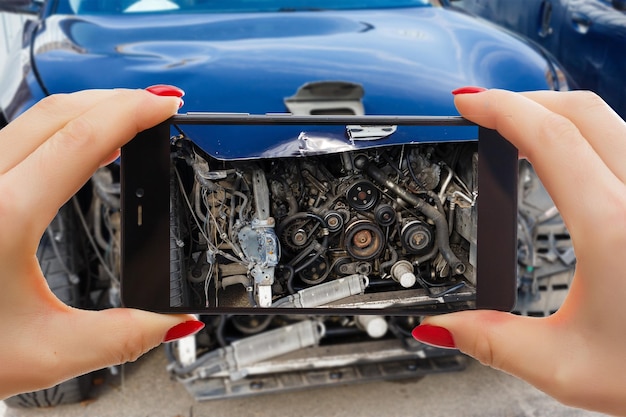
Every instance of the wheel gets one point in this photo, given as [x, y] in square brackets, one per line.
[59, 256]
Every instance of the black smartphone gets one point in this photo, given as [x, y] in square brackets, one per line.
[256, 214]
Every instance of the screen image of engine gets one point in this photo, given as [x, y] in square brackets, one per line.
[365, 228]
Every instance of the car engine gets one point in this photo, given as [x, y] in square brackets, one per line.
[325, 230]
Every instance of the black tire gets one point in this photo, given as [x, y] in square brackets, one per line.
[69, 392]
[61, 263]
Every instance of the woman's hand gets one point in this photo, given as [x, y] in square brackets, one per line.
[577, 146]
[46, 155]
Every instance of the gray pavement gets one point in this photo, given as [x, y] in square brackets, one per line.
[146, 390]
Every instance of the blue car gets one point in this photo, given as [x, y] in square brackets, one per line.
[354, 57]
[233, 56]
[588, 37]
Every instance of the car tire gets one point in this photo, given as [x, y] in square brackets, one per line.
[73, 391]
[60, 260]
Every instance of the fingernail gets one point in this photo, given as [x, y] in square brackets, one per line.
[165, 90]
[183, 329]
[434, 336]
[468, 90]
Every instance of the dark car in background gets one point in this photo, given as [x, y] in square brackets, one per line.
[588, 38]
[374, 57]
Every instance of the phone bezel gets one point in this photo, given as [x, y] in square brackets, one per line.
[145, 166]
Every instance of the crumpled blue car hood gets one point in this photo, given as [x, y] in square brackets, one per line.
[407, 60]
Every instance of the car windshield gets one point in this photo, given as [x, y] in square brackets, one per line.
[228, 6]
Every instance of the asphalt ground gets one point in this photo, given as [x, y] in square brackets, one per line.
[145, 389]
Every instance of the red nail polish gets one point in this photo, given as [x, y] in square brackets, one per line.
[165, 90]
[468, 90]
[183, 329]
[434, 335]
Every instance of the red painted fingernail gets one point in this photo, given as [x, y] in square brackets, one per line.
[468, 90]
[434, 335]
[183, 329]
[165, 90]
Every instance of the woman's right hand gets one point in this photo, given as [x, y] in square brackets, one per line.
[577, 146]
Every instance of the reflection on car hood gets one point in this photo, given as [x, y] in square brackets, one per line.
[407, 60]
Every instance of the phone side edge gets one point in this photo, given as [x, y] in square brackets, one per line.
[497, 222]
[145, 219]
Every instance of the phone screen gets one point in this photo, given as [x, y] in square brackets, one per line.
[242, 214]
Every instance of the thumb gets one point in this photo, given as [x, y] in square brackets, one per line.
[80, 341]
[522, 346]
[123, 335]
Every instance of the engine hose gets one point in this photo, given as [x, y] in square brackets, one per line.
[244, 203]
[441, 223]
[205, 182]
[233, 206]
[235, 279]
[319, 250]
[219, 331]
[197, 200]
[291, 273]
[394, 258]
[403, 336]
[299, 216]
[343, 332]
[436, 199]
